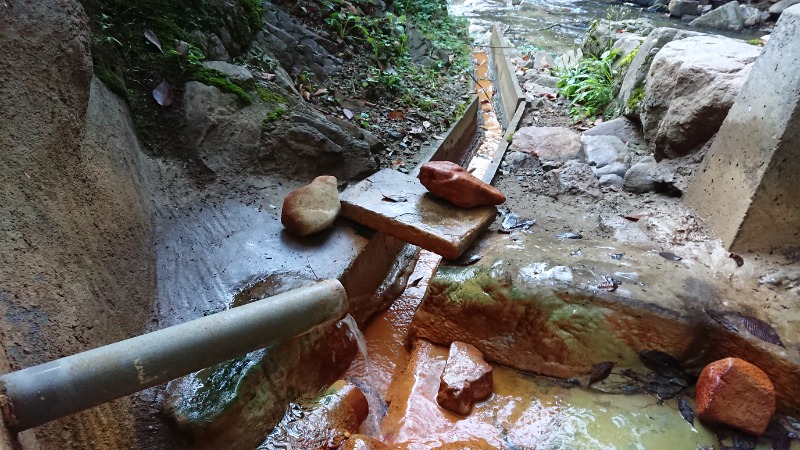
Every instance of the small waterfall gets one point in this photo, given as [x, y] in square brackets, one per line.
[366, 382]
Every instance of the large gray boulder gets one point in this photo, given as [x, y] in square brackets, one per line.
[780, 6]
[632, 89]
[726, 17]
[690, 87]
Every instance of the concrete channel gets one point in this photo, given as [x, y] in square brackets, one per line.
[39, 394]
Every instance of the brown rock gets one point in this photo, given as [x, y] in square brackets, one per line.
[736, 393]
[467, 379]
[311, 208]
[454, 184]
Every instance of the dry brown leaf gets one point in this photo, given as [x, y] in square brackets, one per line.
[151, 36]
[163, 94]
[307, 95]
[347, 113]
[318, 92]
[397, 115]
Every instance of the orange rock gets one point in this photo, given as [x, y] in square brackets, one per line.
[467, 379]
[454, 184]
[311, 208]
[736, 393]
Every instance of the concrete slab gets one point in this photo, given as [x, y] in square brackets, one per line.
[747, 187]
[398, 205]
[506, 83]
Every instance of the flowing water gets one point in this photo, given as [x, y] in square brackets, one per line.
[556, 25]
[365, 378]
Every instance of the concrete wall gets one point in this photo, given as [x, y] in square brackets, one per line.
[505, 82]
[748, 186]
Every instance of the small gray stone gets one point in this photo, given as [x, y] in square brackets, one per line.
[601, 150]
[520, 161]
[680, 8]
[611, 179]
[639, 178]
[541, 78]
[616, 168]
[573, 178]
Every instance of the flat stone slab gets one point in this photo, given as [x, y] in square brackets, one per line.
[398, 205]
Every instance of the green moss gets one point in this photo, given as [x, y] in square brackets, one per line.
[112, 79]
[220, 80]
[628, 59]
[755, 41]
[636, 98]
[275, 114]
[268, 96]
[510, 137]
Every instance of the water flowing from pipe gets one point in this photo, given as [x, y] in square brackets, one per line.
[368, 384]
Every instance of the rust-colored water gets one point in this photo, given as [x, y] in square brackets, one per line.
[492, 129]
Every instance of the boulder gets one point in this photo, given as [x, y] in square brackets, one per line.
[467, 379]
[752, 15]
[735, 393]
[691, 85]
[621, 127]
[602, 150]
[451, 182]
[548, 143]
[726, 17]
[603, 33]
[680, 8]
[311, 208]
[632, 89]
[574, 178]
[778, 8]
[625, 44]
[520, 161]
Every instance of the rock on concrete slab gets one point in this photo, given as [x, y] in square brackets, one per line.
[573, 178]
[547, 143]
[726, 17]
[467, 379]
[398, 205]
[602, 150]
[453, 183]
[311, 208]
[735, 393]
[691, 85]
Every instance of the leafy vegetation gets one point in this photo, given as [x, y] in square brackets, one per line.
[589, 85]
[636, 97]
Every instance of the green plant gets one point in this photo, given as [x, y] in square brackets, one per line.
[628, 59]
[616, 13]
[589, 84]
[636, 97]
[756, 42]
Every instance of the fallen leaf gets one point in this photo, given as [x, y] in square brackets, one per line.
[739, 260]
[394, 199]
[437, 137]
[761, 330]
[370, 104]
[319, 92]
[163, 94]
[601, 371]
[414, 283]
[426, 124]
[569, 235]
[415, 130]
[151, 36]
[633, 218]
[662, 363]
[397, 163]
[347, 113]
[182, 47]
[396, 115]
[687, 412]
[669, 256]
